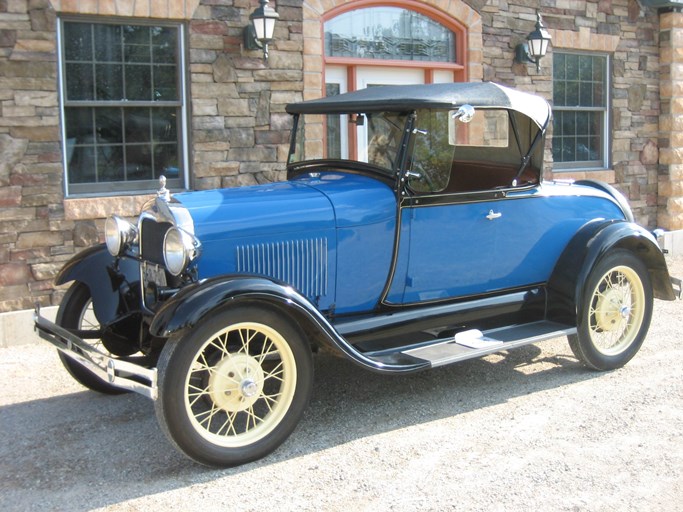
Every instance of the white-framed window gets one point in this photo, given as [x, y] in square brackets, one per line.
[123, 105]
[580, 110]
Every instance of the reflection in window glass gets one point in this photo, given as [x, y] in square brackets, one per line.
[388, 33]
[488, 128]
[110, 144]
[334, 149]
[433, 153]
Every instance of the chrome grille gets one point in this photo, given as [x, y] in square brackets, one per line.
[302, 264]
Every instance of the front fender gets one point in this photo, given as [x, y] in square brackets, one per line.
[567, 283]
[198, 301]
[104, 275]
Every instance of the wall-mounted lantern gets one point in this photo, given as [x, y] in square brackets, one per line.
[536, 45]
[260, 31]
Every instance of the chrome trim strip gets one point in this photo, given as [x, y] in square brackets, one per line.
[113, 371]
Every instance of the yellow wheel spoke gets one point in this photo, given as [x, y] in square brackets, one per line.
[276, 373]
[251, 415]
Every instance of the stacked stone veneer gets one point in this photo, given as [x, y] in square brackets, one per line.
[239, 129]
[671, 121]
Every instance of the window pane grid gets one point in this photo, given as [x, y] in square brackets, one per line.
[580, 110]
[122, 106]
[99, 66]
[577, 136]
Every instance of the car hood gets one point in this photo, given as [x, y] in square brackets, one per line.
[315, 202]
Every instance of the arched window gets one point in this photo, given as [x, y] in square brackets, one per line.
[390, 33]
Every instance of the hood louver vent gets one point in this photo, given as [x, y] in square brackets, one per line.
[302, 264]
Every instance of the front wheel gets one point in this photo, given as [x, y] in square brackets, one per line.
[615, 312]
[234, 388]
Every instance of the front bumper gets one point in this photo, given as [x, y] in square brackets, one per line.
[119, 373]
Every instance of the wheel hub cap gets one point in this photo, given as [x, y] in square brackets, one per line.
[611, 310]
[236, 382]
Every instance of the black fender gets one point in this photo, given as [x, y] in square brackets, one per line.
[198, 301]
[593, 241]
[104, 275]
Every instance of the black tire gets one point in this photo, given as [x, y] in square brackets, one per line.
[235, 386]
[75, 313]
[615, 312]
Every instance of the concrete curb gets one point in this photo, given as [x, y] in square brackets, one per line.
[16, 327]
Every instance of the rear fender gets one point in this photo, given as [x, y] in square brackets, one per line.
[106, 276]
[199, 301]
[595, 239]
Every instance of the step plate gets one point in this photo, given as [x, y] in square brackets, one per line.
[448, 351]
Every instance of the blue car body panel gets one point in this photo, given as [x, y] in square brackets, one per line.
[365, 211]
[454, 250]
[329, 236]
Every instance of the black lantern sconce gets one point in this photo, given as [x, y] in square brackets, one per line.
[260, 31]
[536, 45]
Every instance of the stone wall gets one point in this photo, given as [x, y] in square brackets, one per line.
[238, 127]
[34, 237]
[671, 121]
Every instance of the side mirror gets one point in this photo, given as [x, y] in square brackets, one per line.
[464, 114]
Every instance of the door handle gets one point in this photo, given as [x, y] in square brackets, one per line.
[494, 215]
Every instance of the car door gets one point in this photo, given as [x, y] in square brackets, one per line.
[451, 219]
[445, 250]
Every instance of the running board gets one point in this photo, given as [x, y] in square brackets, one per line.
[475, 343]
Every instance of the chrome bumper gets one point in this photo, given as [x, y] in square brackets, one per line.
[677, 286]
[114, 371]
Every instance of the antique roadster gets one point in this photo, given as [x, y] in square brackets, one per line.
[425, 236]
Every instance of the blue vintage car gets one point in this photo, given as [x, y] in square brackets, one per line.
[426, 236]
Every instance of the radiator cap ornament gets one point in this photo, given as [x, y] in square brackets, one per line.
[163, 192]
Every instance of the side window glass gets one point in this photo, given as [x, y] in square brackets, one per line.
[384, 136]
[432, 156]
[489, 150]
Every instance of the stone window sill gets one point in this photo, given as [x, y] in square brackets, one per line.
[91, 208]
[608, 176]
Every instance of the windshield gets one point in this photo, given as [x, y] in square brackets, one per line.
[370, 139]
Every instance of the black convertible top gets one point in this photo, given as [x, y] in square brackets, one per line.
[409, 97]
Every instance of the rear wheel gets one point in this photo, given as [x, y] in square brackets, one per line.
[76, 313]
[615, 313]
[234, 388]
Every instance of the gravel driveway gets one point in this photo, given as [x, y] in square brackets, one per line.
[525, 430]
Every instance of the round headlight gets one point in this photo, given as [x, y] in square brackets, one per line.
[180, 249]
[118, 234]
